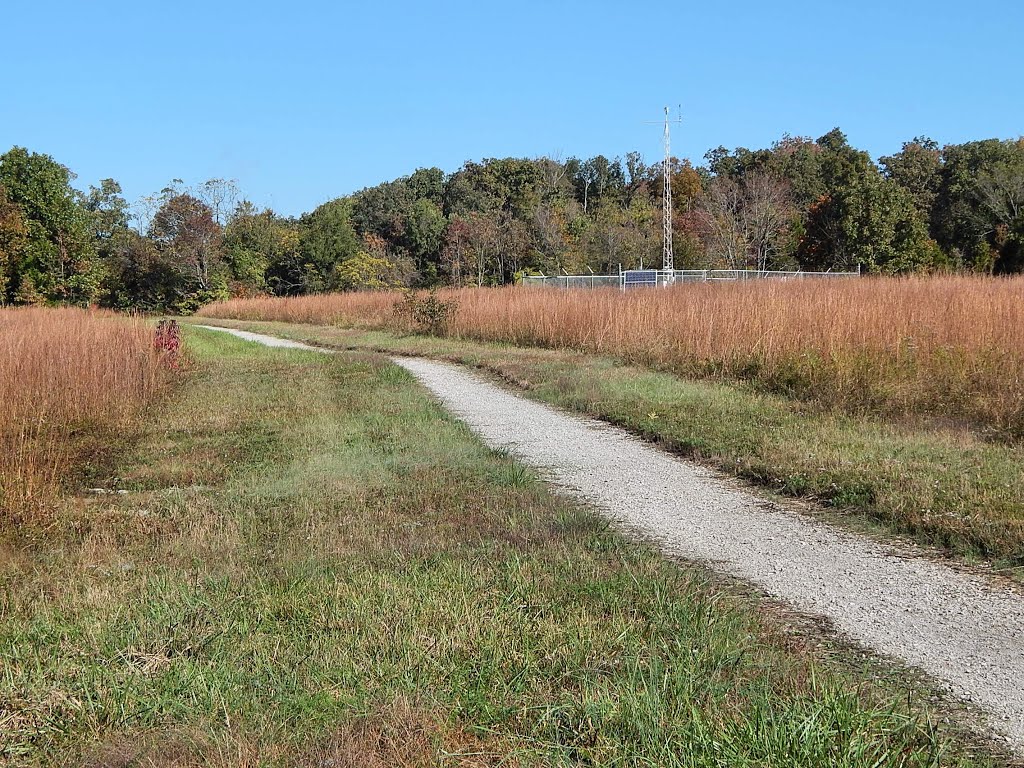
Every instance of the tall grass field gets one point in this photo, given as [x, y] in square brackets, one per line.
[67, 377]
[948, 347]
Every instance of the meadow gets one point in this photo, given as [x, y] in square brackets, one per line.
[940, 348]
[71, 380]
[895, 403]
[315, 564]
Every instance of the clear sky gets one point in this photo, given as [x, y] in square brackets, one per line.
[302, 102]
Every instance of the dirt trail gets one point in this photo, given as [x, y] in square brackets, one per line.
[966, 632]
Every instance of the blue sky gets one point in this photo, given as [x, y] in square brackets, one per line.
[304, 101]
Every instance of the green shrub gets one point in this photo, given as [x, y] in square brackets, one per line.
[428, 313]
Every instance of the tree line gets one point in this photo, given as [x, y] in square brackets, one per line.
[800, 204]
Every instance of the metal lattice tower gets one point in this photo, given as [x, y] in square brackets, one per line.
[668, 263]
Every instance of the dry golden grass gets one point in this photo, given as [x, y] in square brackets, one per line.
[65, 375]
[942, 346]
[364, 309]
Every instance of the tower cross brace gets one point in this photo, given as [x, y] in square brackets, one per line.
[668, 262]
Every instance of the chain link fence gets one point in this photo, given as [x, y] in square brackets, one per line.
[650, 278]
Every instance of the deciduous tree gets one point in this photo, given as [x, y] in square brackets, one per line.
[190, 241]
[917, 168]
[58, 262]
[13, 241]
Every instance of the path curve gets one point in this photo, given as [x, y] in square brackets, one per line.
[963, 630]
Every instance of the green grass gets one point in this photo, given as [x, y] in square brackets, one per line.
[316, 565]
[946, 487]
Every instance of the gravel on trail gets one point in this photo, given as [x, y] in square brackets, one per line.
[964, 630]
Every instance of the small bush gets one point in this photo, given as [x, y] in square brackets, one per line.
[428, 313]
[167, 341]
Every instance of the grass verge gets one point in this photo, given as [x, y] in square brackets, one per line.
[315, 565]
[948, 488]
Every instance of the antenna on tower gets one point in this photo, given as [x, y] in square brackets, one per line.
[667, 258]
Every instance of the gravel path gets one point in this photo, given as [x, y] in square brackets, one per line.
[963, 630]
